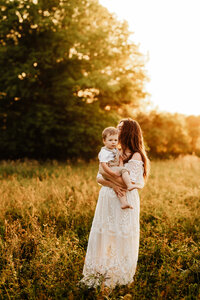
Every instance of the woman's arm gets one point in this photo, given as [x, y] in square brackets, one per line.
[137, 156]
[117, 181]
[134, 167]
[119, 190]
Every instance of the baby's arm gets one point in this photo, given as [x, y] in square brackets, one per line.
[109, 171]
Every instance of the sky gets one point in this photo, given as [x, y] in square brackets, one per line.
[168, 32]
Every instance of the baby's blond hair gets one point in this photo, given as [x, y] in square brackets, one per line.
[109, 131]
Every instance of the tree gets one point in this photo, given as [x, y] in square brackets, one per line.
[193, 127]
[63, 65]
[165, 134]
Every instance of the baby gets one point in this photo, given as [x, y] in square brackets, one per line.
[110, 162]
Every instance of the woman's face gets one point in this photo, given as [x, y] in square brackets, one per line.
[119, 127]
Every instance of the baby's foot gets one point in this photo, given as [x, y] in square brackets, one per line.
[126, 205]
[130, 187]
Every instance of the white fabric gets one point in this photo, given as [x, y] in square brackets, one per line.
[136, 172]
[106, 155]
[113, 244]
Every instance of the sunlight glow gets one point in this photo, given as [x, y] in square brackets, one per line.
[168, 33]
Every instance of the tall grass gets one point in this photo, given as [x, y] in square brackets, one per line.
[46, 213]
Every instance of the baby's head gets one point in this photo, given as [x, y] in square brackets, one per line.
[110, 137]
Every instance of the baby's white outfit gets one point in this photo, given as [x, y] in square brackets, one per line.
[111, 157]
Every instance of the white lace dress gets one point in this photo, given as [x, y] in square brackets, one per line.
[113, 244]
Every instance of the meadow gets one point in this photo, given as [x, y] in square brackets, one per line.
[46, 213]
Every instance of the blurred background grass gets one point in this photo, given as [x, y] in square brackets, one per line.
[45, 217]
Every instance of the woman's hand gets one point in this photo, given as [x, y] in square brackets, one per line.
[117, 185]
[119, 190]
[123, 156]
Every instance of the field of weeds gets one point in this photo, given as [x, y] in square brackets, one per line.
[46, 213]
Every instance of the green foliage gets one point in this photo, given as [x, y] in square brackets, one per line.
[67, 71]
[48, 132]
[63, 63]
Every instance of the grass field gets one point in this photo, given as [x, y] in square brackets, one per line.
[46, 213]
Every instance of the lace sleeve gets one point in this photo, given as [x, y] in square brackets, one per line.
[136, 171]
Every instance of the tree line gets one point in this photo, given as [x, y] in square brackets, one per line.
[170, 135]
[68, 69]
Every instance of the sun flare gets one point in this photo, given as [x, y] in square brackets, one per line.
[166, 32]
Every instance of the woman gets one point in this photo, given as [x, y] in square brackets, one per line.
[113, 244]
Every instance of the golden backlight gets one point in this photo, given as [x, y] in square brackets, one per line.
[168, 34]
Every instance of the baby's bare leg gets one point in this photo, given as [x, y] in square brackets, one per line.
[124, 203]
[127, 181]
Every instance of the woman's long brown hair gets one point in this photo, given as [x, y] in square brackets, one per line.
[131, 138]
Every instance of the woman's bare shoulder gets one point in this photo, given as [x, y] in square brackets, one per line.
[137, 156]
